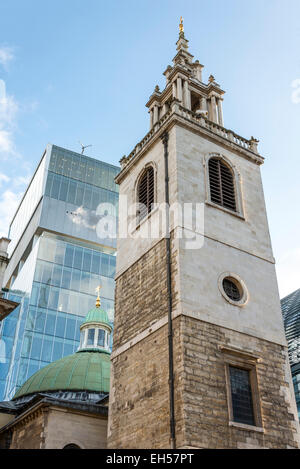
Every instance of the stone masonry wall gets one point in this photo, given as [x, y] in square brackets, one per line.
[139, 397]
[205, 395]
[141, 293]
[29, 433]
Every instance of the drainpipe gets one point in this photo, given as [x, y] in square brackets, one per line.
[165, 138]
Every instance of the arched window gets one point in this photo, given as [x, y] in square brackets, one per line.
[146, 193]
[221, 183]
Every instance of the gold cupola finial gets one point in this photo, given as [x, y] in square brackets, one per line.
[98, 302]
[181, 28]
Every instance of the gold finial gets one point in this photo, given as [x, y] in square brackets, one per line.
[98, 303]
[181, 28]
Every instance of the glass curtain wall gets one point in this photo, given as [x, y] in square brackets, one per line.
[56, 285]
[46, 325]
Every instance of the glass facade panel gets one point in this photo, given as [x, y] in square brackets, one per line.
[27, 206]
[290, 306]
[56, 285]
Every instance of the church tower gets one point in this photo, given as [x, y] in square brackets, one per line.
[199, 356]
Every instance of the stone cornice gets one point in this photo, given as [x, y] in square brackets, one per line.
[177, 114]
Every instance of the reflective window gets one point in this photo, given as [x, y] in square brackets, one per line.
[241, 393]
[101, 337]
[91, 335]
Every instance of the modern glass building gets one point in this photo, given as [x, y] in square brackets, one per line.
[290, 306]
[59, 253]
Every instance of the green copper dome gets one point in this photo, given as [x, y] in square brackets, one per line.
[82, 371]
[96, 315]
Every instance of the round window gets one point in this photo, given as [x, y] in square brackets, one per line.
[233, 289]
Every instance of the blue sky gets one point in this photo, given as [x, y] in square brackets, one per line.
[83, 69]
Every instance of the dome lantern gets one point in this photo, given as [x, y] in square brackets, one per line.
[95, 330]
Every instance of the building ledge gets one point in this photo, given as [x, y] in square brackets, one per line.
[243, 426]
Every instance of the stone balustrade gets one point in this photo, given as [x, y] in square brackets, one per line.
[197, 118]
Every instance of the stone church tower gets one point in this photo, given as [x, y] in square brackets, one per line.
[199, 357]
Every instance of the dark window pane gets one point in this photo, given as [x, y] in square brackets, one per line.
[91, 335]
[63, 189]
[87, 258]
[40, 321]
[49, 184]
[47, 349]
[112, 267]
[57, 350]
[75, 283]
[50, 323]
[66, 278]
[36, 348]
[53, 299]
[34, 294]
[70, 330]
[105, 265]
[87, 197]
[44, 296]
[47, 272]
[242, 404]
[96, 263]
[72, 192]
[56, 276]
[77, 258]
[55, 187]
[60, 326]
[69, 256]
[79, 194]
[101, 337]
[231, 289]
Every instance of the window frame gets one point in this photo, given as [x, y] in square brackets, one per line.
[149, 165]
[239, 211]
[245, 361]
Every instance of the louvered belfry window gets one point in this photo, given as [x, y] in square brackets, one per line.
[146, 193]
[221, 184]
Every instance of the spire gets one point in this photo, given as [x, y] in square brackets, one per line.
[181, 28]
[183, 56]
[98, 302]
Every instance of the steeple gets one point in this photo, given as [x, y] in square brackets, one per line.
[184, 83]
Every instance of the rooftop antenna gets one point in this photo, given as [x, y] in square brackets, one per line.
[83, 147]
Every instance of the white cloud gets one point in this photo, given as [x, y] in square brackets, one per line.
[8, 106]
[9, 202]
[6, 55]
[288, 272]
[4, 178]
[296, 93]
[6, 143]
[8, 112]
[22, 181]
